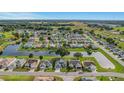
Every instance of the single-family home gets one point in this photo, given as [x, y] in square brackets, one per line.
[6, 63]
[32, 63]
[60, 64]
[75, 64]
[45, 64]
[89, 65]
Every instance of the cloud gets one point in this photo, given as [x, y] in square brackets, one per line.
[19, 15]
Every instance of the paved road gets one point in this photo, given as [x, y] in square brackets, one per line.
[107, 51]
[112, 55]
[64, 74]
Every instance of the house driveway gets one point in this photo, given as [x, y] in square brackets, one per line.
[57, 70]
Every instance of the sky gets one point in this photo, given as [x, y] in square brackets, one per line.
[63, 15]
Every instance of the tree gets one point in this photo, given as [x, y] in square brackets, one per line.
[79, 31]
[31, 55]
[110, 40]
[66, 45]
[89, 51]
[49, 38]
[16, 35]
[41, 38]
[1, 50]
[41, 57]
[62, 52]
[68, 67]
[92, 32]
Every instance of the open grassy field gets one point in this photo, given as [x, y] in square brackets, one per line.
[76, 49]
[17, 78]
[57, 78]
[102, 78]
[21, 69]
[109, 34]
[7, 35]
[121, 44]
[119, 28]
[106, 78]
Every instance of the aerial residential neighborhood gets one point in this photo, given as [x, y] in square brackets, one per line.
[61, 50]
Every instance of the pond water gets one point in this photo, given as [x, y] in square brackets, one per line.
[12, 50]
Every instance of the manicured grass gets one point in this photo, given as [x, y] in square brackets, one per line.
[63, 70]
[57, 78]
[77, 78]
[117, 79]
[7, 34]
[118, 66]
[109, 34]
[32, 49]
[103, 78]
[106, 78]
[46, 49]
[76, 49]
[119, 28]
[17, 78]
[49, 70]
[121, 44]
[22, 69]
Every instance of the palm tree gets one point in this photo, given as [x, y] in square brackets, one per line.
[31, 55]
[40, 57]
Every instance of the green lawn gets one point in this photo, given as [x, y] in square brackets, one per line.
[76, 49]
[102, 78]
[57, 78]
[119, 28]
[106, 78]
[121, 44]
[63, 70]
[32, 49]
[49, 70]
[17, 78]
[77, 78]
[22, 69]
[45, 49]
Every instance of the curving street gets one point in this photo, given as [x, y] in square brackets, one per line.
[107, 51]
